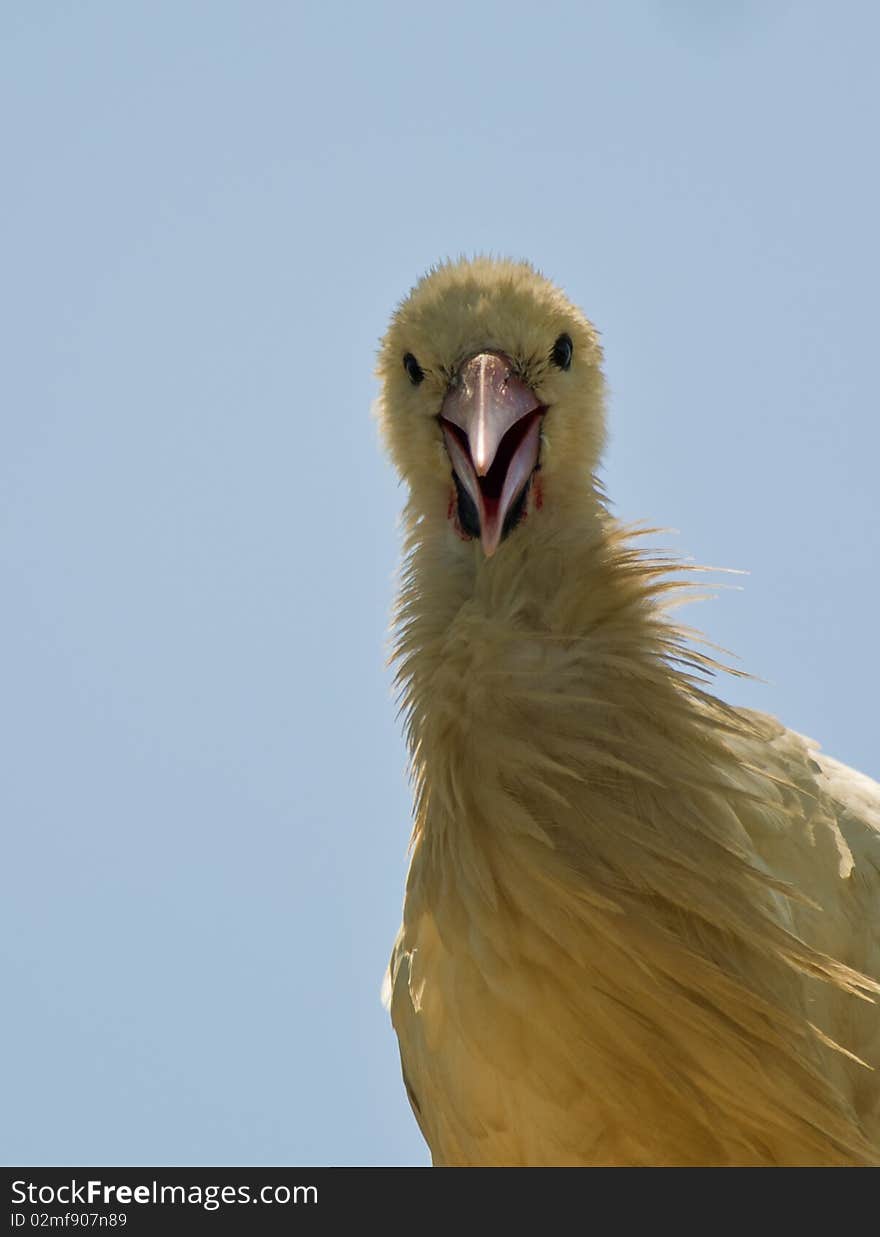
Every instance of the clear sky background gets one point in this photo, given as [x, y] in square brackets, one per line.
[208, 212]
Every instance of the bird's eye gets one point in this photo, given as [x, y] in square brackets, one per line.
[562, 350]
[412, 367]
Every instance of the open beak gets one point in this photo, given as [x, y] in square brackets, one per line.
[491, 423]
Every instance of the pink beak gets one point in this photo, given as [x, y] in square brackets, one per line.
[492, 426]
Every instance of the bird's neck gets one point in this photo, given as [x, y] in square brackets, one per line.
[553, 655]
[563, 747]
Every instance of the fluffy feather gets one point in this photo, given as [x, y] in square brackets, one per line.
[640, 926]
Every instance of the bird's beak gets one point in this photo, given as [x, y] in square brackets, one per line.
[491, 423]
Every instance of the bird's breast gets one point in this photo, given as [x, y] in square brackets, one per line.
[481, 1019]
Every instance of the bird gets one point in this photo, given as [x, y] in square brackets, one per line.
[640, 925]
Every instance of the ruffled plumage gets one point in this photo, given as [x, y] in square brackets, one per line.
[640, 926]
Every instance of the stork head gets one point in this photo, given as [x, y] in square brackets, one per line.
[491, 403]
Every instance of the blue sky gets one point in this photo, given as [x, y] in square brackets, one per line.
[210, 210]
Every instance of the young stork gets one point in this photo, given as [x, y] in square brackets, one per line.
[640, 926]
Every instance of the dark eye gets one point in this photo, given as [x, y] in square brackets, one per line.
[562, 350]
[412, 367]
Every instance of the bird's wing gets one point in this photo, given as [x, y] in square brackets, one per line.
[826, 844]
